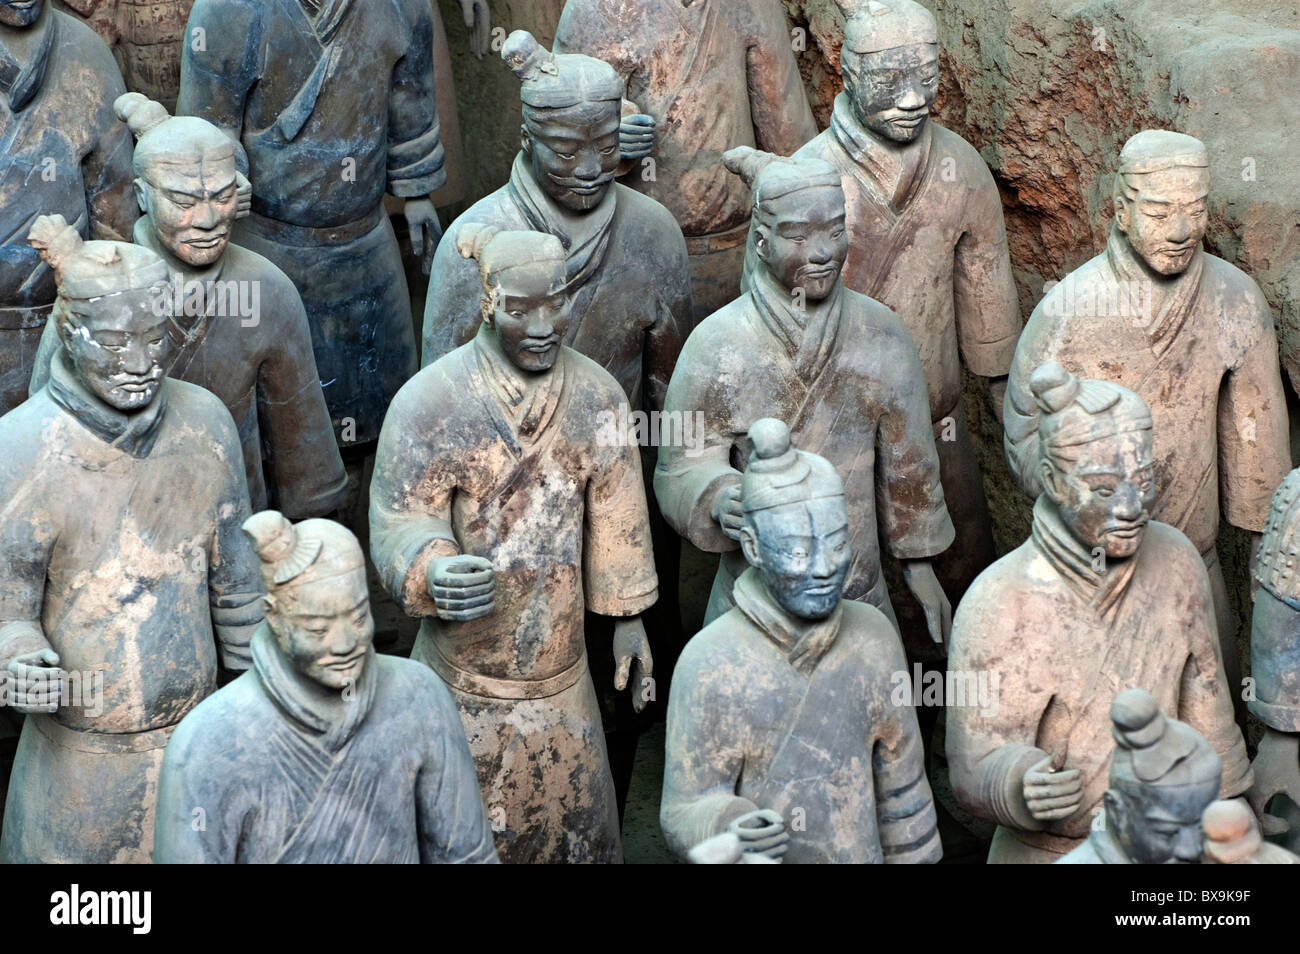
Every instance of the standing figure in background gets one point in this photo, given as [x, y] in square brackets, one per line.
[1189, 334]
[332, 103]
[1100, 598]
[121, 558]
[784, 724]
[238, 327]
[499, 514]
[711, 75]
[927, 239]
[62, 152]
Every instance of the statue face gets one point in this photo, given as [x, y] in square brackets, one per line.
[20, 13]
[803, 241]
[530, 317]
[574, 151]
[325, 628]
[192, 205]
[1106, 497]
[1166, 220]
[1162, 825]
[117, 347]
[892, 91]
[802, 553]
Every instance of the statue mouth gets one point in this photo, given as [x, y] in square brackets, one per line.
[1127, 531]
[539, 345]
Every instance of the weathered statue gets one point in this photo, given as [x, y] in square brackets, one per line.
[1232, 837]
[62, 151]
[332, 102]
[839, 367]
[325, 753]
[783, 723]
[1275, 656]
[1101, 597]
[713, 75]
[1191, 335]
[238, 327]
[1163, 777]
[497, 514]
[120, 559]
[625, 260]
[927, 239]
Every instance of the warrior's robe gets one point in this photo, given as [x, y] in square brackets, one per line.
[62, 151]
[1065, 639]
[844, 376]
[146, 37]
[1275, 629]
[928, 240]
[626, 273]
[1203, 356]
[332, 110]
[715, 75]
[262, 368]
[120, 538]
[477, 458]
[767, 711]
[382, 778]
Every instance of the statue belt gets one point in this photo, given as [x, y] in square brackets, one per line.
[1045, 840]
[306, 236]
[24, 317]
[493, 687]
[106, 743]
[717, 241]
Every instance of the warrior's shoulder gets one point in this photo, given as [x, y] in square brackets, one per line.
[409, 685]
[435, 390]
[729, 326]
[945, 143]
[651, 219]
[821, 146]
[199, 408]
[1168, 547]
[715, 648]
[1232, 283]
[872, 630]
[229, 720]
[86, 48]
[593, 383]
[244, 264]
[884, 324]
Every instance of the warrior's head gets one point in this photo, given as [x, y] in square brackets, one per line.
[1162, 777]
[20, 13]
[317, 603]
[796, 529]
[798, 230]
[1095, 461]
[1232, 835]
[186, 180]
[572, 113]
[1162, 190]
[524, 304]
[890, 65]
[111, 312]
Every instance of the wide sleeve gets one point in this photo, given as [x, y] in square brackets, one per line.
[452, 308]
[913, 517]
[990, 750]
[411, 495]
[618, 564]
[673, 316]
[26, 540]
[1254, 431]
[451, 821]
[220, 63]
[687, 479]
[906, 820]
[984, 293]
[778, 103]
[234, 579]
[587, 27]
[704, 755]
[106, 168]
[415, 152]
[307, 474]
[1019, 409]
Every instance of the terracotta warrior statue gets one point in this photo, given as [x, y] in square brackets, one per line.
[1275, 659]
[497, 516]
[1100, 598]
[1191, 335]
[625, 259]
[62, 151]
[325, 753]
[238, 328]
[1232, 837]
[121, 559]
[710, 75]
[146, 37]
[927, 239]
[1163, 778]
[839, 367]
[783, 722]
[332, 103]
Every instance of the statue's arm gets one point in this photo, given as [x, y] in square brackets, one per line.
[220, 63]
[673, 320]
[618, 558]
[106, 169]
[192, 824]
[452, 308]
[1020, 412]
[416, 156]
[778, 102]
[26, 541]
[234, 579]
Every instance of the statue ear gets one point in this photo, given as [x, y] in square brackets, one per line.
[1050, 480]
[1123, 210]
[525, 139]
[749, 546]
[763, 243]
[1113, 809]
